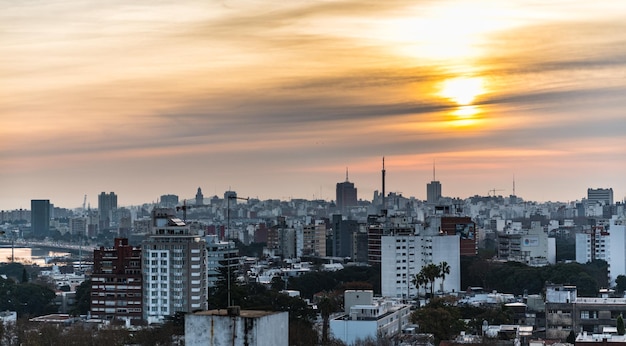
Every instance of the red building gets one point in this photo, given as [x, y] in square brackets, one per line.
[466, 229]
[116, 283]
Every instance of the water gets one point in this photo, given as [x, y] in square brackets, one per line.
[27, 255]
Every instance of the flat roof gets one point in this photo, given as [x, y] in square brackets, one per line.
[242, 313]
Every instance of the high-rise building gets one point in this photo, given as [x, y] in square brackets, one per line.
[346, 195]
[433, 190]
[465, 228]
[40, 217]
[343, 233]
[600, 196]
[116, 289]
[174, 268]
[107, 206]
[403, 256]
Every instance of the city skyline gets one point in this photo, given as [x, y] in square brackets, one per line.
[274, 101]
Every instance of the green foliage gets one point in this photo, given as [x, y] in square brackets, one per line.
[26, 298]
[83, 298]
[440, 318]
[517, 278]
[315, 282]
[621, 284]
[620, 325]
[571, 337]
[475, 315]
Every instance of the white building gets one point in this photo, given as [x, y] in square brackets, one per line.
[366, 317]
[531, 246]
[403, 256]
[174, 268]
[238, 328]
[604, 243]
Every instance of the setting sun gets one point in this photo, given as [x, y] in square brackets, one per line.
[462, 90]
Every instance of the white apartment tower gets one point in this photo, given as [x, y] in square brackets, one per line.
[174, 268]
[403, 257]
[606, 244]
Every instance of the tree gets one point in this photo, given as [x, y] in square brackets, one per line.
[444, 269]
[431, 273]
[83, 298]
[326, 307]
[620, 325]
[420, 280]
[571, 337]
[440, 318]
[621, 283]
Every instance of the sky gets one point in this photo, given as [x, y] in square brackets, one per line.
[277, 99]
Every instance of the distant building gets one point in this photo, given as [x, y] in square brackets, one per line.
[366, 317]
[40, 217]
[433, 192]
[220, 254]
[174, 268]
[342, 239]
[116, 283]
[168, 201]
[107, 206]
[199, 197]
[314, 239]
[237, 327]
[346, 195]
[465, 228]
[530, 246]
[600, 196]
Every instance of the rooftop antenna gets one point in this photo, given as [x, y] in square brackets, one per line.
[434, 170]
[514, 185]
[383, 176]
[347, 174]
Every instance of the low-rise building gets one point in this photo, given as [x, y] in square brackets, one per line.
[368, 317]
[237, 327]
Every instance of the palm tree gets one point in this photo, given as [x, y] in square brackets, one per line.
[444, 269]
[420, 280]
[431, 273]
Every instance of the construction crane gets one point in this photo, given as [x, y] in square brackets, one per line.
[492, 192]
[184, 208]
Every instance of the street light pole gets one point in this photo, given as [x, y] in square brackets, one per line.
[229, 237]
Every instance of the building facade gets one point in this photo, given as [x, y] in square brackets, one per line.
[174, 268]
[116, 283]
[107, 206]
[40, 217]
[366, 317]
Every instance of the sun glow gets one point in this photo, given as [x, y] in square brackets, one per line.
[462, 90]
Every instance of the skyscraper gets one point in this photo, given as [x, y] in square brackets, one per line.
[40, 217]
[433, 190]
[174, 268]
[346, 195]
[107, 205]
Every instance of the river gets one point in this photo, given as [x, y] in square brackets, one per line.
[29, 255]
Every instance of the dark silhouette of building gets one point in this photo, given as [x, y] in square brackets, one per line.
[433, 190]
[169, 201]
[116, 283]
[346, 195]
[40, 217]
[199, 197]
[107, 206]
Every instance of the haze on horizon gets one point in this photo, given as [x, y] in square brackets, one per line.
[275, 100]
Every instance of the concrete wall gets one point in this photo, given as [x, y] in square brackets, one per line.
[217, 330]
